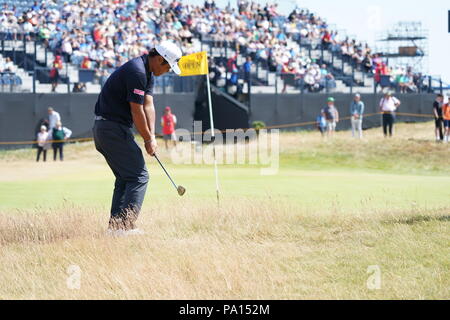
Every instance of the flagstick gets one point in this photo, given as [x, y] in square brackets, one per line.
[213, 135]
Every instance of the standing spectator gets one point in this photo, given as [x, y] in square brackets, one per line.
[54, 72]
[438, 119]
[357, 111]
[59, 135]
[168, 122]
[247, 68]
[53, 118]
[388, 106]
[321, 124]
[446, 117]
[42, 143]
[331, 115]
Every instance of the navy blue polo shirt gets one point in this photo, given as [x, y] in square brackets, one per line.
[129, 83]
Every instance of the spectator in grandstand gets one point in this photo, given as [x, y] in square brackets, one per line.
[438, 118]
[103, 77]
[367, 63]
[115, 31]
[327, 78]
[66, 47]
[388, 106]
[79, 87]
[42, 143]
[446, 117]
[288, 72]
[217, 73]
[380, 70]
[357, 112]
[247, 67]
[53, 118]
[44, 33]
[326, 40]
[404, 80]
[86, 63]
[8, 65]
[59, 135]
[312, 78]
[168, 123]
[331, 115]
[408, 82]
[185, 34]
[54, 72]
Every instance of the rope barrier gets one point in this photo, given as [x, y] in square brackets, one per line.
[281, 126]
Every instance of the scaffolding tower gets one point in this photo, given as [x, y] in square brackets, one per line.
[406, 45]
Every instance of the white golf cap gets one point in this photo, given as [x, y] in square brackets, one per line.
[171, 53]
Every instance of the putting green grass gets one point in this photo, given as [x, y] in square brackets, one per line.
[410, 171]
[327, 189]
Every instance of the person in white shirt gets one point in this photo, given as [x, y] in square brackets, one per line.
[388, 106]
[42, 143]
[53, 118]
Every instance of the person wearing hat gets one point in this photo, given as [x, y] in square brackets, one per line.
[126, 99]
[42, 143]
[168, 122]
[388, 106]
[357, 111]
[331, 115]
[59, 135]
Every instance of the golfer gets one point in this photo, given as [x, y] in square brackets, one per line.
[126, 99]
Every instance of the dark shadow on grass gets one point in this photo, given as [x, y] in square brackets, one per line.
[420, 218]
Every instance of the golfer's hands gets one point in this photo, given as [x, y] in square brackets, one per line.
[151, 146]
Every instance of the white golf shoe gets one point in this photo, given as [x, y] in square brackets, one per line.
[115, 233]
[125, 233]
[134, 232]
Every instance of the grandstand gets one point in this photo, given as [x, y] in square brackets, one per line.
[290, 54]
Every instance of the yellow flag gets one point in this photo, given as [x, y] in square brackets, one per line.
[194, 64]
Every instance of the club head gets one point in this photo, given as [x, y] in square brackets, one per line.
[181, 190]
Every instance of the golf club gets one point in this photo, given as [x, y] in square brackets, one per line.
[181, 190]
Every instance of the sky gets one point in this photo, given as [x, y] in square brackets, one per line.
[367, 19]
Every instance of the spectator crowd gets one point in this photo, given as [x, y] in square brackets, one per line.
[103, 34]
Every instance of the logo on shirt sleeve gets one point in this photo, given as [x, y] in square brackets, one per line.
[139, 92]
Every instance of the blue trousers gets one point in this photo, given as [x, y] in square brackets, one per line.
[116, 143]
